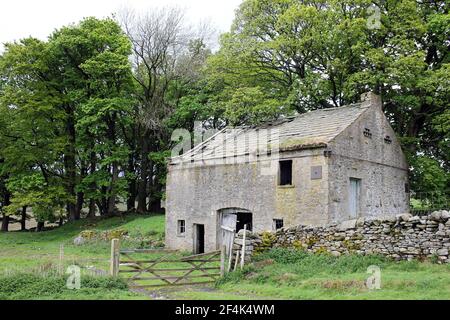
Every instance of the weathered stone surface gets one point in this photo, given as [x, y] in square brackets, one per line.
[436, 216]
[346, 225]
[204, 182]
[400, 241]
[404, 217]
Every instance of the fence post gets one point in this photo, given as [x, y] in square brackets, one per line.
[243, 247]
[61, 258]
[115, 257]
[236, 260]
[223, 253]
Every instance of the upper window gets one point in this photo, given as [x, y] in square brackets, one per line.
[285, 178]
[181, 227]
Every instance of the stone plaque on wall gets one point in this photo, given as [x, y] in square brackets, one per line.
[316, 172]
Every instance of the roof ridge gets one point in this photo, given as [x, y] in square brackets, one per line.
[311, 128]
[293, 117]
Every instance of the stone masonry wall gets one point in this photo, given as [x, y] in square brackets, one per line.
[404, 237]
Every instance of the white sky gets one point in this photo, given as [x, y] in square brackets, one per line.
[38, 18]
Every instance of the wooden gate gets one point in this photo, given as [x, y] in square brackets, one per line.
[144, 268]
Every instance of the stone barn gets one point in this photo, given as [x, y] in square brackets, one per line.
[320, 167]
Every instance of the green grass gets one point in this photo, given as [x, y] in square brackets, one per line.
[34, 257]
[36, 254]
[291, 274]
[26, 257]
[28, 286]
[31, 250]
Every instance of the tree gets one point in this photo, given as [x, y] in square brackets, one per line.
[320, 54]
[66, 97]
[164, 55]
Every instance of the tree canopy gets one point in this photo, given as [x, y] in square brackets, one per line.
[87, 115]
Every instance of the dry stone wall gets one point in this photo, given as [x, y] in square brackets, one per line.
[404, 237]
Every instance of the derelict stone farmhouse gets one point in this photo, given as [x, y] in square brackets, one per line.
[317, 168]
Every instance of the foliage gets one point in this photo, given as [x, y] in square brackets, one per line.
[66, 99]
[286, 55]
[87, 114]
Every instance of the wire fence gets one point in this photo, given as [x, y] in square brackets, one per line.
[423, 203]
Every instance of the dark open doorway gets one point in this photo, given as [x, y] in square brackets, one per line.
[244, 218]
[199, 238]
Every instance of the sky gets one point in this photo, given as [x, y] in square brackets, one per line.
[38, 18]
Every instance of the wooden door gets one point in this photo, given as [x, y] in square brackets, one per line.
[228, 229]
[354, 197]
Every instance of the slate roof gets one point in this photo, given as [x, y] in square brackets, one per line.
[309, 130]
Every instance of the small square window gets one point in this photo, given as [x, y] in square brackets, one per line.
[277, 223]
[181, 227]
[285, 178]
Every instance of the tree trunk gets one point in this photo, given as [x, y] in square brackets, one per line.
[80, 195]
[80, 203]
[131, 201]
[23, 219]
[61, 221]
[91, 213]
[70, 165]
[102, 204]
[40, 226]
[154, 203]
[92, 186]
[143, 179]
[113, 189]
[5, 218]
[5, 223]
[155, 206]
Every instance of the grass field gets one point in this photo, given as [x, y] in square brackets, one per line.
[28, 262]
[291, 274]
[34, 256]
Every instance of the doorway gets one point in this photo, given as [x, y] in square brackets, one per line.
[354, 197]
[230, 221]
[243, 218]
[199, 238]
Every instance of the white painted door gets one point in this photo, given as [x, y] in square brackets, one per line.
[354, 195]
[228, 228]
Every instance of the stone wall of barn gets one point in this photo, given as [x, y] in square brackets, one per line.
[404, 237]
[196, 193]
[368, 150]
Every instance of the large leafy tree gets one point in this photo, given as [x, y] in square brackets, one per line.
[66, 99]
[320, 54]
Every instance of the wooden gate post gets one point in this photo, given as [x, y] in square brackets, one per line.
[243, 247]
[115, 257]
[223, 254]
[61, 258]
